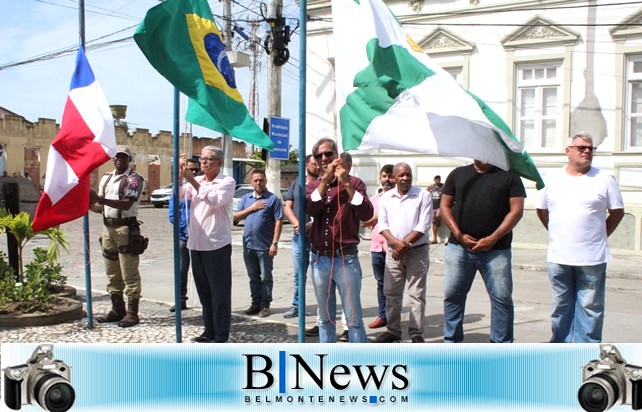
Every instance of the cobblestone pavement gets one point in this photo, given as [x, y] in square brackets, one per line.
[157, 325]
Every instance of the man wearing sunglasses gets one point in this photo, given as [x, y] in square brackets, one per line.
[336, 202]
[573, 208]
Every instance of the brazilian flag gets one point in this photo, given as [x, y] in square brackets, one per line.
[182, 42]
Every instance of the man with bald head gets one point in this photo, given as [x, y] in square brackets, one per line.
[405, 215]
[580, 207]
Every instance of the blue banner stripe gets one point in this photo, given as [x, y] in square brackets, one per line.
[164, 377]
[83, 75]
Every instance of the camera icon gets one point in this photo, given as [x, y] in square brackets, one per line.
[42, 379]
[610, 381]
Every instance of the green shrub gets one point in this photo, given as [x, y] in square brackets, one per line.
[30, 289]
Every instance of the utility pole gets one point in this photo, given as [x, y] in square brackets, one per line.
[273, 167]
[228, 145]
[255, 64]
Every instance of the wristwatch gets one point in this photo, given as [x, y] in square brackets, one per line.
[275, 243]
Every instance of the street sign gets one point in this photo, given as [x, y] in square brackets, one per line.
[280, 135]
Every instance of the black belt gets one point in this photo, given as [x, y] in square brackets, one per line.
[346, 250]
[119, 221]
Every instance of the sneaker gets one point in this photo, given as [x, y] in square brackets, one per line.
[252, 310]
[183, 307]
[344, 337]
[378, 323]
[313, 331]
[417, 339]
[265, 312]
[293, 312]
[387, 337]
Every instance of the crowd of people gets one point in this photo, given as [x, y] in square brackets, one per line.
[479, 203]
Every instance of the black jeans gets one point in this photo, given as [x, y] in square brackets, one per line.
[184, 253]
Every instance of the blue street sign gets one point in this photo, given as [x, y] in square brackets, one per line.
[280, 135]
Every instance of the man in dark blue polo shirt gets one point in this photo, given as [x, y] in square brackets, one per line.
[262, 211]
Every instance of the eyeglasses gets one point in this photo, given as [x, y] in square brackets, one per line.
[208, 159]
[193, 170]
[583, 148]
[328, 154]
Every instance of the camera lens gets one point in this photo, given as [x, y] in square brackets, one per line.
[598, 393]
[54, 393]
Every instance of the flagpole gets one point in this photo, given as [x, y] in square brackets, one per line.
[178, 304]
[302, 169]
[85, 218]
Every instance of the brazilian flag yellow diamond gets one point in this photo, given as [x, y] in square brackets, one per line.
[211, 55]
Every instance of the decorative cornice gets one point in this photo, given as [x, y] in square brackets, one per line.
[631, 26]
[539, 30]
[444, 41]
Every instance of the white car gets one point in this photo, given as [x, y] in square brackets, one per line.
[160, 197]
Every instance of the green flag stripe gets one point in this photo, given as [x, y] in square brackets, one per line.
[165, 39]
[520, 162]
[392, 70]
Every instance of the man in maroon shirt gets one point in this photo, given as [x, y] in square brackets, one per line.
[336, 202]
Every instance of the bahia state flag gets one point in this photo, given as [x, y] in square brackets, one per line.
[182, 42]
[85, 141]
[393, 96]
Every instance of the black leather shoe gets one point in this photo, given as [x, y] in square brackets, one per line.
[202, 339]
[417, 339]
[314, 331]
[345, 337]
[183, 307]
[387, 337]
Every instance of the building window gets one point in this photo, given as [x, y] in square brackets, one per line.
[538, 111]
[455, 72]
[633, 126]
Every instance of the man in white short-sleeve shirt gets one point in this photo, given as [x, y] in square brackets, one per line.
[573, 207]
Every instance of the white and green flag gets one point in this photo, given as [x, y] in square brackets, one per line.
[393, 96]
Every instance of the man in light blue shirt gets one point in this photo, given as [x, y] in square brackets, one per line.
[262, 211]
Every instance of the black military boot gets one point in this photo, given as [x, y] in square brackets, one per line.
[131, 318]
[117, 312]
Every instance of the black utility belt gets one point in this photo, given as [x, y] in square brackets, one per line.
[346, 250]
[120, 221]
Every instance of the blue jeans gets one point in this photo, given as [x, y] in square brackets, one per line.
[495, 268]
[297, 256]
[259, 268]
[577, 314]
[212, 271]
[378, 260]
[184, 253]
[344, 274]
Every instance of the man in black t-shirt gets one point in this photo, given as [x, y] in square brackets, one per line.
[481, 205]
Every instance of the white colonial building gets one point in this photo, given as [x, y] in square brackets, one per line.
[548, 67]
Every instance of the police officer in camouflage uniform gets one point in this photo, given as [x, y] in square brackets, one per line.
[118, 198]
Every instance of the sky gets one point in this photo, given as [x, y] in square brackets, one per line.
[31, 29]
